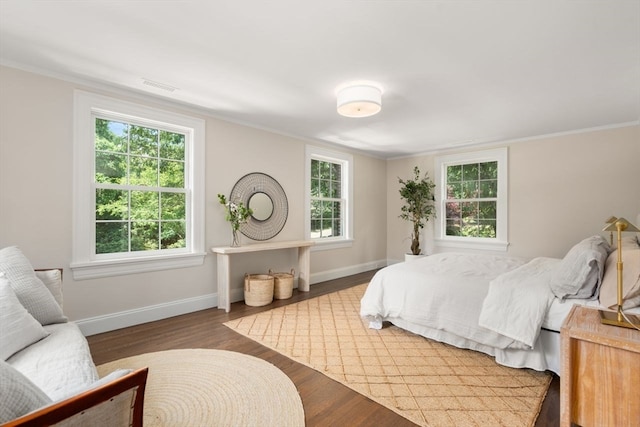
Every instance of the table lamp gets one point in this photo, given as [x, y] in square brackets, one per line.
[611, 220]
[618, 318]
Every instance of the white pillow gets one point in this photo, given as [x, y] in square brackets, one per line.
[18, 329]
[30, 290]
[630, 279]
[630, 241]
[52, 279]
[580, 272]
[18, 394]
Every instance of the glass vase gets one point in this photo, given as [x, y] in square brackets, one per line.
[236, 238]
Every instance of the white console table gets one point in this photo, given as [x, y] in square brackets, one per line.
[224, 265]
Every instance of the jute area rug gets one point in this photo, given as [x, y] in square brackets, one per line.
[427, 382]
[199, 387]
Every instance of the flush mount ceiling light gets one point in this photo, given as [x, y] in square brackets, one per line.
[359, 100]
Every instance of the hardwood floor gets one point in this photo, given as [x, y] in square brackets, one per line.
[326, 402]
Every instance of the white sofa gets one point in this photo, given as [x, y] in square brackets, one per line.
[47, 375]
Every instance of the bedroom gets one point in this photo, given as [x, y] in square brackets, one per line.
[563, 185]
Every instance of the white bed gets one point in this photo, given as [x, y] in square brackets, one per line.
[502, 306]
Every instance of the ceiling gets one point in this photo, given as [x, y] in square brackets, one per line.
[453, 73]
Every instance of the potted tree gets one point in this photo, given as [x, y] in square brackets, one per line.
[419, 204]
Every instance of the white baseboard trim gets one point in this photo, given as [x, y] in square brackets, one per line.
[124, 319]
[346, 271]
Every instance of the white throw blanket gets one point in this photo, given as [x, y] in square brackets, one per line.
[518, 301]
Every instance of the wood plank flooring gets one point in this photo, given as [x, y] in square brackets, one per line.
[326, 402]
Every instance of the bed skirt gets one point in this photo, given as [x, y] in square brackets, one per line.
[545, 356]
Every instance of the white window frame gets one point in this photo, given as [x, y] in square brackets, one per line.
[346, 160]
[85, 263]
[500, 242]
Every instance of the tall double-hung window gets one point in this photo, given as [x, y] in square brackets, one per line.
[141, 197]
[328, 205]
[137, 188]
[473, 200]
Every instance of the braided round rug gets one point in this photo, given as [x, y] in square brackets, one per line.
[202, 387]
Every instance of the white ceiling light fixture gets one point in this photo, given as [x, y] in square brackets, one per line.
[359, 100]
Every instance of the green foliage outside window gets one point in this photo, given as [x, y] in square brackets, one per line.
[140, 188]
[471, 205]
[326, 199]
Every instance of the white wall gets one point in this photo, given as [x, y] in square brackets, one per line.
[561, 190]
[36, 143]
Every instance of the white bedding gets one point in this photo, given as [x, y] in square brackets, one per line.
[450, 300]
[518, 301]
[447, 306]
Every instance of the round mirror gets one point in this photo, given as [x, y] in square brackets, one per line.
[261, 205]
[268, 201]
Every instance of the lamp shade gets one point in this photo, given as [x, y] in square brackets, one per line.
[621, 224]
[359, 101]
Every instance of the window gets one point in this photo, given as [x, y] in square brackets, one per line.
[138, 199]
[328, 206]
[473, 200]
[140, 187]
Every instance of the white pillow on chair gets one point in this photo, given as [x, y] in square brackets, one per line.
[52, 279]
[18, 394]
[18, 329]
[30, 290]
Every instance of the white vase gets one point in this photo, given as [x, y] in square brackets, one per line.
[412, 257]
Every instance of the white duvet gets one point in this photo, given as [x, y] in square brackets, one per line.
[446, 297]
[450, 300]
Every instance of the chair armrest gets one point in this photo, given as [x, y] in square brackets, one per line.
[119, 402]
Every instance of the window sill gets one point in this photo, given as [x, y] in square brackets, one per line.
[477, 244]
[120, 267]
[321, 245]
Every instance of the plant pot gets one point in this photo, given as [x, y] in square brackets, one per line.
[412, 257]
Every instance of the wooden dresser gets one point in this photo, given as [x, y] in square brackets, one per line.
[600, 381]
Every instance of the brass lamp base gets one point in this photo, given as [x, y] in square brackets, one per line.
[611, 318]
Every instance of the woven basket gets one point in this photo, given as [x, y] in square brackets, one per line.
[258, 289]
[283, 284]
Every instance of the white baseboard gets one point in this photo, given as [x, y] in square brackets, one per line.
[124, 319]
[346, 271]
